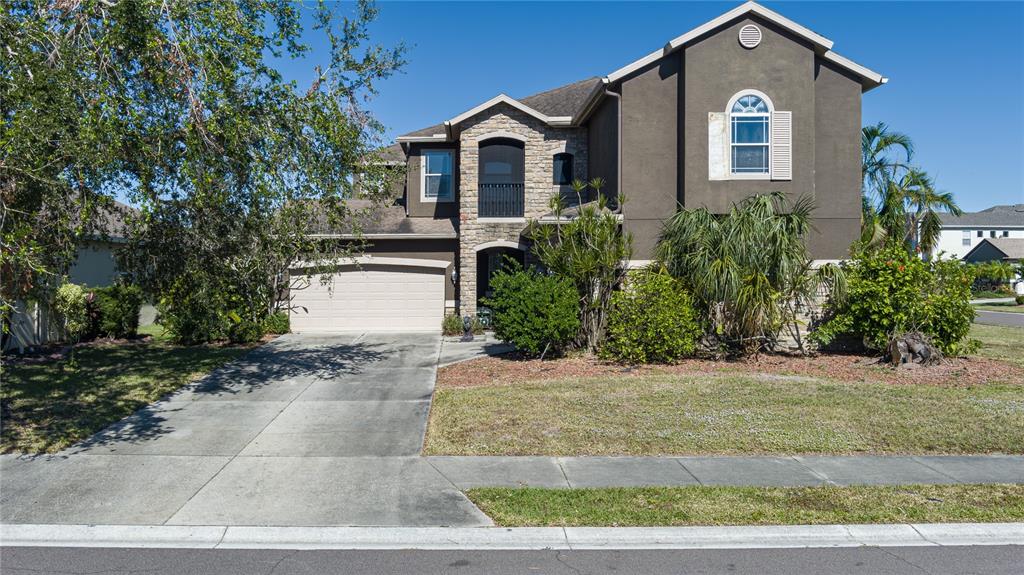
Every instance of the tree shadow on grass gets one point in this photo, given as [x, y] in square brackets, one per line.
[49, 407]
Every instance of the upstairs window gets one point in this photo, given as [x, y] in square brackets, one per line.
[750, 118]
[967, 238]
[436, 181]
[563, 169]
[981, 233]
[1006, 234]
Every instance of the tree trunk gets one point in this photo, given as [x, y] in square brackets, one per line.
[913, 349]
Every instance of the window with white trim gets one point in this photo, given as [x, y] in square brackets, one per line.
[967, 238]
[750, 140]
[750, 135]
[436, 176]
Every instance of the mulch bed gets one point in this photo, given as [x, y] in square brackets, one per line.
[512, 368]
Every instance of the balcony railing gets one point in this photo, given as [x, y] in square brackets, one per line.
[500, 200]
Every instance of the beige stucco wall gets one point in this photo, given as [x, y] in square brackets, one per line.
[95, 266]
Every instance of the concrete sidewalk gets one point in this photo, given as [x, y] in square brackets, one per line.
[583, 472]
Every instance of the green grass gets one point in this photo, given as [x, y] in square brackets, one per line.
[670, 506]
[678, 415]
[1000, 342]
[1007, 307]
[49, 406]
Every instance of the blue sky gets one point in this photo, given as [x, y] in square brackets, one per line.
[956, 69]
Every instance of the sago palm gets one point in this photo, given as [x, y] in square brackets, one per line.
[748, 270]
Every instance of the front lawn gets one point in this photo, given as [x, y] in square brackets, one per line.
[1002, 343]
[674, 506]
[773, 405]
[50, 405]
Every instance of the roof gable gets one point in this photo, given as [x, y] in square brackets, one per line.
[569, 105]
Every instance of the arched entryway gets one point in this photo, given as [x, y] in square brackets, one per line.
[492, 258]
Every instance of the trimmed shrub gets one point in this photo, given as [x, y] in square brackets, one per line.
[69, 304]
[277, 323]
[652, 320]
[193, 315]
[245, 331]
[536, 313]
[891, 292]
[1019, 299]
[451, 325]
[114, 311]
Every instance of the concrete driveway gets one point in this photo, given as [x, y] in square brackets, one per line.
[306, 430]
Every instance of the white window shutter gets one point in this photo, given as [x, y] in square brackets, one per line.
[718, 146]
[782, 146]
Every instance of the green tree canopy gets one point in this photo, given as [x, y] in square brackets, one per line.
[181, 108]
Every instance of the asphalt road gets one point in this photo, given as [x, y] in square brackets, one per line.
[1008, 318]
[834, 561]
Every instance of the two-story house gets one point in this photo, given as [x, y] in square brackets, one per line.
[747, 103]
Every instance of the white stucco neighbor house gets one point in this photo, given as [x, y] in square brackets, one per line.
[961, 234]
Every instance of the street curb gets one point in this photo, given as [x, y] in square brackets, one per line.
[571, 538]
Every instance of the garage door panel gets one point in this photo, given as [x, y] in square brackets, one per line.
[373, 298]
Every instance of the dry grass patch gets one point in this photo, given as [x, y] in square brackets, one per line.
[738, 414]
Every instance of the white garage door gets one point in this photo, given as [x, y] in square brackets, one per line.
[371, 298]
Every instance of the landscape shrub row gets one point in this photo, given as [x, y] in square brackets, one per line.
[89, 313]
[733, 283]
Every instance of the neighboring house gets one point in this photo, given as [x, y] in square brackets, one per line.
[997, 249]
[1004, 249]
[95, 266]
[747, 103]
[962, 234]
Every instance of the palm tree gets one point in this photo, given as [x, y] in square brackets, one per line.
[748, 270]
[910, 211]
[884, 154]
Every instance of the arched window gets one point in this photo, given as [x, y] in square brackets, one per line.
[563, 169]
[750, 133]
[501, 178]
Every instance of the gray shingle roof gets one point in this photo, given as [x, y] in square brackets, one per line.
[391, 220]
[1012, 247]
[435, 129]
[1006, 215]
[564, 100]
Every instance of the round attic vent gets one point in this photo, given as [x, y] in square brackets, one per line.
[750, 36]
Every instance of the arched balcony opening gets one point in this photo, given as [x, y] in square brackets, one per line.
[501, 180]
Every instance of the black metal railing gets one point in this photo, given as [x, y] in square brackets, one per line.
[500, 200]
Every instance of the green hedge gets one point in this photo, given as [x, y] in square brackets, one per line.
[892, 292]
[651, 320]
[114, 310]
[537, 313]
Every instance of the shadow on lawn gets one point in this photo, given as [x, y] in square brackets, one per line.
[48, 407]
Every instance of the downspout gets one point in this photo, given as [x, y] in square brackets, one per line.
[618, 145]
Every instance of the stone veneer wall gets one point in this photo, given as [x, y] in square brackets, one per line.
[542, 143]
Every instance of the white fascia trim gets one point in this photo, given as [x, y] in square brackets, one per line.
[370, 259]
[680, 41]
[746, 8]
[855, 67]
[634, 66]
[419, 139]
[504, 99]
